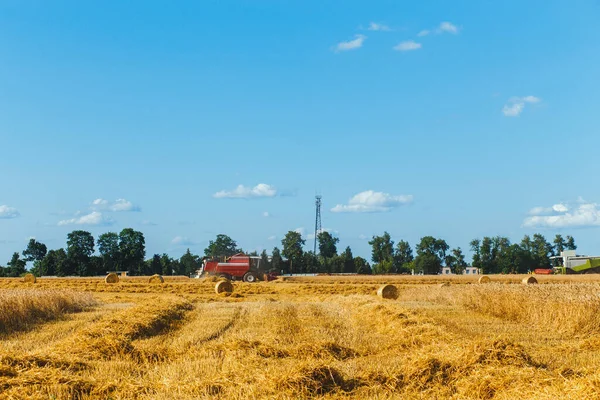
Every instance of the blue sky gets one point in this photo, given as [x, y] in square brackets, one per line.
[456, 119]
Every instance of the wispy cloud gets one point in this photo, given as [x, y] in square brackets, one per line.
[93, 218]
[119, 205]
[245, 192]
[448, 28]
[516, 105]
[424, 32]
[407, 46]
[578, 214]
[271, 238]
[7, 212]
[362, 236]
[370, 201]
[374, 26]
[266, 214]
[148, 223]
[182, 241]
[353, 44]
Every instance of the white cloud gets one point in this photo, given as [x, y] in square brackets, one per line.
[370, 201]
[516, 105]
[407, 46]
[182, 241]
[245, 192]
[356, 43]
[266, 214]
[373, 26]
[334, 233]
[424, 32]
[362, 236]
[118, 205]
[579, 214]
[447, 27]
[273, 237]
[93, 218]
[7, 212]
[301, 231]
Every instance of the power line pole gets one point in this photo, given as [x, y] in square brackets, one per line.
[317, 220]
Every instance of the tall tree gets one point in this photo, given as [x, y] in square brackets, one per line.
[327, 244]
[190, 263]
[222, 246]
[80, 247]
[132, 251]
[16, 266]
[155, 265]
[458, 261]
[310, 263]
[431, 253]
[276, 261]
[35, 251]
[571, 243]
[362, 266]
[559, 244]
[475, 245]
[403, 256]
[292, 249]
[348, 260]
[108, 247]
[382, 248]
[264, 261]
[542, 250]
[167, 264]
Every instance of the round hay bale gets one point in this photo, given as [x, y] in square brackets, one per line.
[529, 281]
[388, 292]
[29, 278]
[111, 278]
[484, 279]
[223, 287]
[445, 284]
[156, 278]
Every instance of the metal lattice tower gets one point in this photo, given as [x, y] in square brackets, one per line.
[318, 227]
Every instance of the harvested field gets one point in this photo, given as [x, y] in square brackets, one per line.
[310, 337]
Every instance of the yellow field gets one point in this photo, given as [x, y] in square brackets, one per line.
[325, 337]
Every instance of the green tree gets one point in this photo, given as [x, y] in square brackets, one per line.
[327, 244]
[167, 264]
[382, 248]
[571, 243]
[155, 265]
[310, 262]
[542, 250]
[403, 256]
[276, 260]
[431, 253]
[222, 246]
[80, 247]
[16, 266]
[362, 266]
[458, 259]
[428, 263]
[264, 261]
[348, 261]
[559, 244]
[475, 245]
[108, 247]
[35, 251]
[132, 251]
[190, 263]
[292, 249]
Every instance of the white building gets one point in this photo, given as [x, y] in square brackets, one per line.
[467, 271]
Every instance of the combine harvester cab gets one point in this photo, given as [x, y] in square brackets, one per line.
[237, 267]
[570, 263]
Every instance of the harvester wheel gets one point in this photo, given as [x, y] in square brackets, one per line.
[249, 277]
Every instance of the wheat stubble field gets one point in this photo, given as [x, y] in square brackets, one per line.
[311, 337]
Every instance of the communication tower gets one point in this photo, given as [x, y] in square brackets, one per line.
[318, 227]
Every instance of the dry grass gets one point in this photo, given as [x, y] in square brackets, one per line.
[313, 338]
[21, 309]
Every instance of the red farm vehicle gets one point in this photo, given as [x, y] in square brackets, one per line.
[237, 267]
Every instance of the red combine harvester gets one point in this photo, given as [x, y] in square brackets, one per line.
[237, 267]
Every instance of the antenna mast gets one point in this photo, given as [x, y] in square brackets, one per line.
[318, 227]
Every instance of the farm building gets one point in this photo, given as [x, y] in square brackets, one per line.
[467, 271]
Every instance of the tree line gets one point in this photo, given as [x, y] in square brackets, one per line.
[125, 251]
